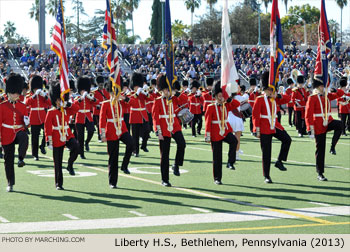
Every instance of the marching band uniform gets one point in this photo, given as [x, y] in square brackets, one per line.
[318, 125]
[217, 130]
[38, 104]
[196, 102]
[290, 104]
[56, 138]
[101, 95]
[344, 107]
[13, 123]
[253, 94]
[299, 98]
[126, 92]
[167, 126]
[72, 117]
[113, 130]
[266, 126]
[207, 95]
[83, 118]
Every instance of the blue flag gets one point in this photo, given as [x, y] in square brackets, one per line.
[169, 63]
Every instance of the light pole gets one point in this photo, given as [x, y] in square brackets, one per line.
[163, 20]
[259, 25]
[305, 35]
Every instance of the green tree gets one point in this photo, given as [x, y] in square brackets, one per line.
[286, 4]
[211, 4]
[208, 28]
[11, 36]
[192, 5]
[310, 14]
[34, 11]
[266, 4]
[253, 4]
[52, 7]
[179, 29]
[79, 8]
[156, 22]
[333, 29]
[131, 6]
[341, 4]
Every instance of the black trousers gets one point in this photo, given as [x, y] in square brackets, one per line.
[97, 124]
[279, 116]
[73, 129]
[266, 146]
[9, 155]
[197, 119]
[126, 120]
[301, 126]
[345, 120]
[320, 139]
[140, 129]
[180, 150]
[57, 152]
[150, 121]
[164, 146]
[217, 154]
[35, 129]
[80, 133]
[251, 124]
[291, 116]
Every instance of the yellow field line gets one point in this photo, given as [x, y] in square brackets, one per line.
[257, 228]
[301, 216]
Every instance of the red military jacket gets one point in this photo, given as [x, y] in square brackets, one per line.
[283, 100]
[11, 120]
[289, 92]
[315, 111]
[262, 115]
[182, 101]
[208, 99]
[252, 97]
[195, 103]
[108, 120]
[37, 109]
[100, 95]
[161, 117]
[299, 98]
[85, 105]
[53, 125]
[150, 101]
[138, 111]
[344, 106]
[213, 116]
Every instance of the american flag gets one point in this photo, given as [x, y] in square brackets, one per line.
[110, 44]
[58, 45]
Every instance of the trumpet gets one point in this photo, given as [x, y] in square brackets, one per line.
[294, 75]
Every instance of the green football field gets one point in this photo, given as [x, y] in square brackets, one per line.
[295, 203]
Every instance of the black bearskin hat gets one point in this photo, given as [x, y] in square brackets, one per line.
[100, 79]
[243, 88]
[195, 84]
[108, 86]
[84, 83]
[72, 85]
[300, 79]
[290, 81]
[343, 81]
[136, 80]
[153, 82]
[217, 88]
[161, 82]
[14, 84]
[252, 82]
[177, 85]
[210, 81]
[185, 83]
[316, 83]
[36, 82]
[55, 92]
[265, 80]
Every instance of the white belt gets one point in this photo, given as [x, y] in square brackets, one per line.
[217, 122]
[149, 102]
[267, 117]
[138, 109]
[12, 126]
[166, 116]
[206, 101]
[33, 109]
[195, 104]
[319, 115]
[114, 120]
[84, 111]
[60, 127]
[251, 100]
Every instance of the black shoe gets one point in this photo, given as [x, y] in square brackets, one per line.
[166, 183]
[176, 170]
[199, 133]
[9, 188]
[21, 163]
[113, 186]
[1, 155]
[126, 171]
[59, 188]
[136, 155]
[145, 149]
[194, 136]
[268, 180]
[230, 166]
[36, 158]
[42, 149]
[71, 171]
[332, 151]
[320, 177]
[82, 157]
[87, 148]
[217, 182]
[280, 166]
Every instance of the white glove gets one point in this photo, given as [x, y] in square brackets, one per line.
[258, 132]
[50, 143]
[139, 90]
[37, 92]
[90, 96]
[207, 137]
[145, 86]
[84, 94]
[26, 120]
[188, 90]
[160, 135]
[280, 90]
[103, 135]
[144, 92]
[43, 93]
[198, 93]
[127, 92]
[312, 132]
[347, 98]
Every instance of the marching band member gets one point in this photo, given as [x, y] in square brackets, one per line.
[13, 123]
[344, 106]
[253, 94]
[113, 129]
[196, 102]
[83, 118]
[150, 101]
[290, 104]
[266, 126]
[318, 125]
[218, 130]
[184, 93]
[138, 115]
[299, 98]
[72, 94]
[38, 103]
[126, 92]
[56, 138]
[167, 126]
[101, 95]
[207, 95]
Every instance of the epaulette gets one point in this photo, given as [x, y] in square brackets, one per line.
[159, 98]
[260, 96]
[53, 108]
[212, 104]
[106, 101]
[295, 89]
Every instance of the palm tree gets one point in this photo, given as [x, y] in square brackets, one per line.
[34, 11]
[52, 7]
[131, 6]
[286, 4]
[78, 7]
[266, 3]
[192, 5]
[211, 3]
[9, 30]
[341, 4]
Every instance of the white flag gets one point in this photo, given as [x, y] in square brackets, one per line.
[229, 74]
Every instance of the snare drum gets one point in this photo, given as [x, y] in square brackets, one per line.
[246, 110]
[185, 116]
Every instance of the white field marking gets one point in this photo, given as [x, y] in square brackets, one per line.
[137, 213]
[138, 170]
[168, 220]
[201, 210]
[51, 173]
[69, 216]
[3, 220]
[318, 203]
